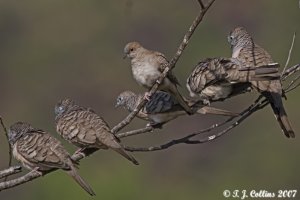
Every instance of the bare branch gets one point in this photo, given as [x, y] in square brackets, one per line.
[34, 174]
[9, 147]
[294, 87]
[290, 52]
[172, 64]
[290, 71]
[10, 171]
[201, 4]
[292, 83]
[18, 181]
[189, 34]
[135, 132]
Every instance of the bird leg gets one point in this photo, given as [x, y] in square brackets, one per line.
[147, 96]
[155, 125]
[80, 151]
[36, 169]
[206, 102]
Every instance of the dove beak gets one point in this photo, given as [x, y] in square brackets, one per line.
[124, 56]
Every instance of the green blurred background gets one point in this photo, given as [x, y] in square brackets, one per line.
[54, 49]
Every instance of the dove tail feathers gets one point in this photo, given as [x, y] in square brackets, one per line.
[280, 114]
[126, 155]
[216, 111]
[73, 173]
[174, 91]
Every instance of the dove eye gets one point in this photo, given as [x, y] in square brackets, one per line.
[131, 49]
[59, 109]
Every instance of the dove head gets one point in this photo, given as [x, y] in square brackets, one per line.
[127, 99]
[239, 38]
[64, 106]
[132, 49]
[18, 130]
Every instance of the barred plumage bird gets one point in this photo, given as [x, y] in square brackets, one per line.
[252, 55]
[85, 129]
[163, 107]
[39, 151]
[216, 79]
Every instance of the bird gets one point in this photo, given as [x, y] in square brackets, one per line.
[39, 151]
[85, 129]
[147, 66]
[162, 107]
[217, 79]
[251, 54]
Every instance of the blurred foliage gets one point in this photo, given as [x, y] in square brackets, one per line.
[54, 49]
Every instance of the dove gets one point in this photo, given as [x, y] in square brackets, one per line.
[37, 150]
[85, 129]
[217, 79]
[147, 66]
[162, 107]
[251, 54]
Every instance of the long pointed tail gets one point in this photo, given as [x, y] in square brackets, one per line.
[280, 114]
[126, 155]
[73, 173]
[216, 111]
[174, 91]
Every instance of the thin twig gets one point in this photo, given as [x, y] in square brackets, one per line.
[135, 132]
[292, 83]
[294, 87]
[172, 63]
[10, 171]
[290, 52]
[9, 147]
[290, 71]
[201, 4]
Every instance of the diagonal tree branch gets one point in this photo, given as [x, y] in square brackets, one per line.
[147, 129]
[292, 83]
[34, 174]
[290, 53]
[10, 171]
[290, 71]
[172, 63]
[201, 4]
